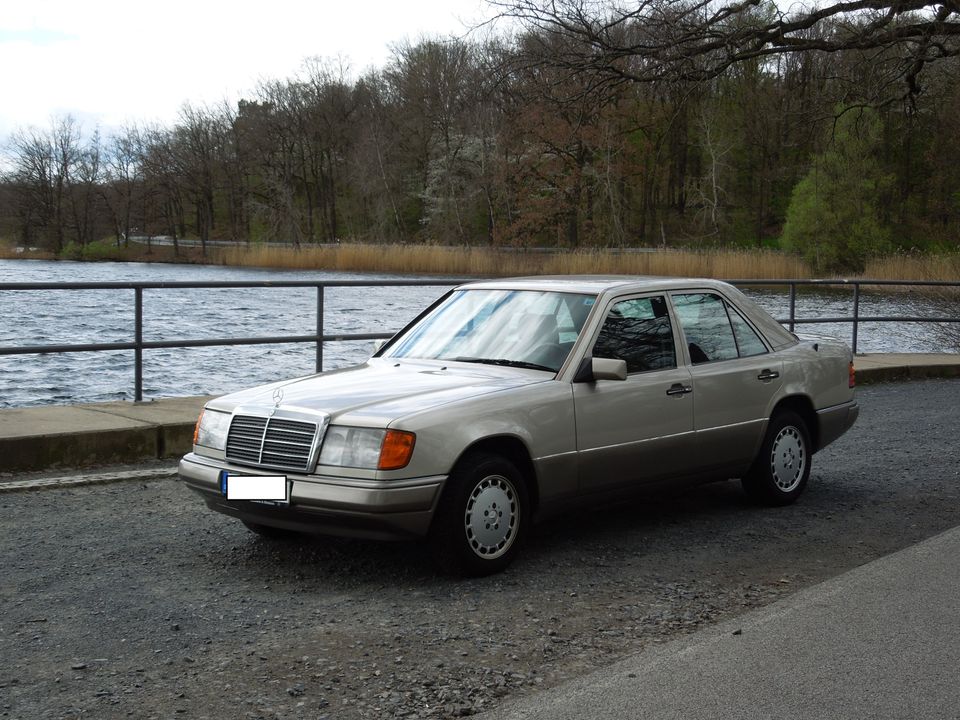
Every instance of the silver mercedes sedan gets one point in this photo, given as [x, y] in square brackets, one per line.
[510, 399]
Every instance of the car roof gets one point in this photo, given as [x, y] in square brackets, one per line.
[595, 284]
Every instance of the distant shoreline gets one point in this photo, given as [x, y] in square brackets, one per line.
[752, 264]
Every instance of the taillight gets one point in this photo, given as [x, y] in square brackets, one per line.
[853, 376]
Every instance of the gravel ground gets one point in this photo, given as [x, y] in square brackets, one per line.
[133, 600]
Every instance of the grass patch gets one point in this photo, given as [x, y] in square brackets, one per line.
[13, 252]
[105, 250]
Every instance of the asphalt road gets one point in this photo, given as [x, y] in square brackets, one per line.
[879, 641]
[132, 600]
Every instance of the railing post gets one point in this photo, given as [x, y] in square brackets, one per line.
[319, 328]
[856, 314]
[793, 304]
[138, 341]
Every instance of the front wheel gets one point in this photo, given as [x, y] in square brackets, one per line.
[781, 470]
[481, 517]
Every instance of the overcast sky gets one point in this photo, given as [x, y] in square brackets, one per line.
[108, 62]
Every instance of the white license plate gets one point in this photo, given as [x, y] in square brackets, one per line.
[259, 488]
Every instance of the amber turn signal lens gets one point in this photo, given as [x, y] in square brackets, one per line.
[196, 428]
[396, 450]
[853, 375]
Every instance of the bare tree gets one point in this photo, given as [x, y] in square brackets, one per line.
[123, 179]
[376, 169]
[162, 200]
[439, 89]
[65, 137]
[236, 163]
[276, 148]
[32, 178]
[85, 191]
[197, 141]
[329, 110]
[45, 165]
[652, 40]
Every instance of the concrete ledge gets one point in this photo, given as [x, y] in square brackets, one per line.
[38, 438]
[892, 367]
[78, 449]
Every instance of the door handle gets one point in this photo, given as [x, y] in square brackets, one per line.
[768, 375]
[678, 389]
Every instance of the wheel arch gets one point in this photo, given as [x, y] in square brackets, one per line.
[514, 450]
[802, 405]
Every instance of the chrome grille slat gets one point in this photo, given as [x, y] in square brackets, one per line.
[292, 425]
[290, 440]
[291, 443]
[281, 453]
[270, 442]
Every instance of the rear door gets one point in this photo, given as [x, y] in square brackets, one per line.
[640, 429]
[734, 375]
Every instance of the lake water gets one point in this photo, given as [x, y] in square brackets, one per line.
[66, 317]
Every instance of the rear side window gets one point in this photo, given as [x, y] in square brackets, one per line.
[639, 332]
[748, 342]
[713, 330]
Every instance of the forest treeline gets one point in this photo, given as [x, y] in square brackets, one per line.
[500, 140]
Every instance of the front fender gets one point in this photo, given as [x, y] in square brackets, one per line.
[539, 416]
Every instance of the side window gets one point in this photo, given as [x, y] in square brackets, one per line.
[706, 327]
[748, 342]
[639, 332]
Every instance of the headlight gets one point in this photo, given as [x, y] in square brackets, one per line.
[212, 428]
[366, 448]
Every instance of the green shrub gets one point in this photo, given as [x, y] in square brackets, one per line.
[833, 219]
[102, 250]
[71, 251]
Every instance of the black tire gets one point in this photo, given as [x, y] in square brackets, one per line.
[271, 533]
[482, 516]
[780, 472]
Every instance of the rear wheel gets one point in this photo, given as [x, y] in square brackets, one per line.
[780, 472]
[481, 518]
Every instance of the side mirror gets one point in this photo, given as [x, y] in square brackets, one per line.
[592, 369]
[378, 344]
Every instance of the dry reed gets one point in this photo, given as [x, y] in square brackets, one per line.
[915, 267]
[490, 262]
[493, 262]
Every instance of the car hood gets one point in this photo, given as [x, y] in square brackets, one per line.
[379, 391]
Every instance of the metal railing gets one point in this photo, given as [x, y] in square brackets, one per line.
[856, 318]
[138, 344]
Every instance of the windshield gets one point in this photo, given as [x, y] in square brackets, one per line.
[519, 328]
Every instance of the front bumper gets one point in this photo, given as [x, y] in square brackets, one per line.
[325, 505]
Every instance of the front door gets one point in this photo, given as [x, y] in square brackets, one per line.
[640, 429]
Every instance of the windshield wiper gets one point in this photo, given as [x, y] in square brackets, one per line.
[506, 363]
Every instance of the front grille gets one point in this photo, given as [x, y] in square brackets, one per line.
[270, 442]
